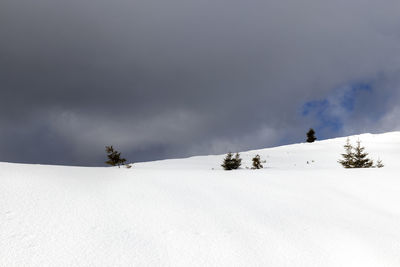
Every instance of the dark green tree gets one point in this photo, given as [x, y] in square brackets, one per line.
[114, 157]
[360, 157]
[348, 156]
[257, 163]
[355, 157]
[231, 163]
[311, 136]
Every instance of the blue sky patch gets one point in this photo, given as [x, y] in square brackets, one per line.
[331, 112]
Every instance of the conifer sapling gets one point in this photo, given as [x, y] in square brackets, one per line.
[360, 157]
[311, 136]
[355, 157]
[379, 164]
[230, 162]
[114, 157]
[257, 163]
[348, 156]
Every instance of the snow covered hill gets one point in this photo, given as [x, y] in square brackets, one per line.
[320, 155]
[189, 212]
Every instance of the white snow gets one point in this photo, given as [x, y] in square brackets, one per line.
[189, 212]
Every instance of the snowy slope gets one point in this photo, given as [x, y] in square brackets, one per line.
[183, 213]
[325, 154]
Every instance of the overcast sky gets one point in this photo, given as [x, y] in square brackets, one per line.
[173, 78]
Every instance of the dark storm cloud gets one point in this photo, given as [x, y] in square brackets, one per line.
[174, 78]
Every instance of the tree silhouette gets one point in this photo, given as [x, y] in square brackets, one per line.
[230, 162]
[355, 157]
[114, 157]
[257, 163]
[360, 157]
[348, 156]
[311, 136]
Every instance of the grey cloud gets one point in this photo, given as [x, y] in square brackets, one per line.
[176, 78]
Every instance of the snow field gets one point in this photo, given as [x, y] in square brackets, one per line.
[183, 213]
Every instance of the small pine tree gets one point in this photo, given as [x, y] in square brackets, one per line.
[231, 163]
[355, 157]
[257, 163]
[237, 161]
[227, 162]
[348, 156]
[311, 136]
[114, 157]
[360, 157]
[379, 164]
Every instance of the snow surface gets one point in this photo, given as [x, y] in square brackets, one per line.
[189, 212]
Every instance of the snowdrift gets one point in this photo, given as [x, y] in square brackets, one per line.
[189, 212]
